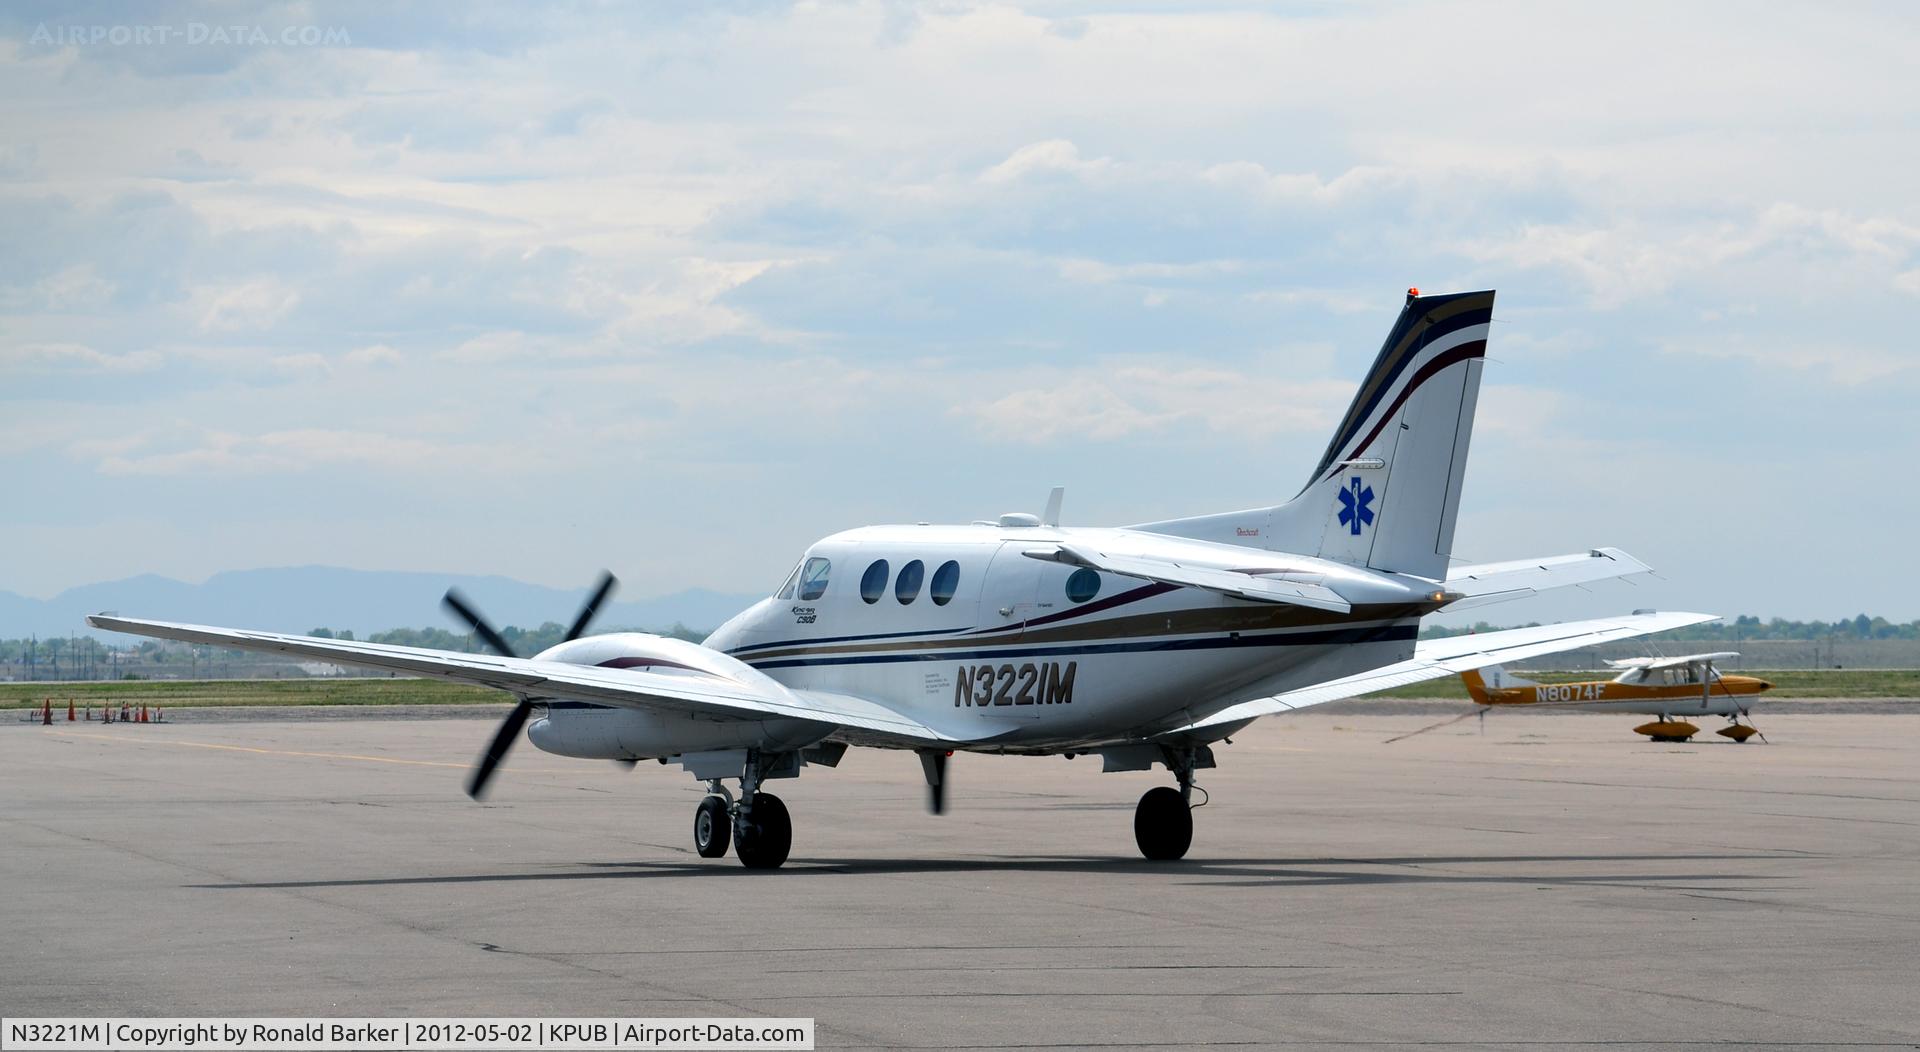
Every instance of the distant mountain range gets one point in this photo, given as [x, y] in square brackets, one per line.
[299, 598]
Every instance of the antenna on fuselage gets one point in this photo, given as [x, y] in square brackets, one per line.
[1051, 517]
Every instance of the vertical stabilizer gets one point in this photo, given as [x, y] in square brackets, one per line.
[1386, 492]
[1482, 682]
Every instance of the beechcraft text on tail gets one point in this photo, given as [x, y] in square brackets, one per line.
[1669, 688]
[1142, 645]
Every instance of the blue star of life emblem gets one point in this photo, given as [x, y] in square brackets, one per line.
[1354, 512]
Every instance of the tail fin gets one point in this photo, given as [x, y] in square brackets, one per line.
[1386, 492]
[1480, 687]
[1476, 687]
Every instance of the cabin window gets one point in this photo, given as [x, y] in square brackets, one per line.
[786, 590]
[1083, 585]
[907, 588]
[873, 583]
[946, 580]
[813, 578]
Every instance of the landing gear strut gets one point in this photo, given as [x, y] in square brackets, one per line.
[1163, 821]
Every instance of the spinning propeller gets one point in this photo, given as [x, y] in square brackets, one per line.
[510, 727]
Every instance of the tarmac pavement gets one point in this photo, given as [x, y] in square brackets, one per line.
[1531, 881]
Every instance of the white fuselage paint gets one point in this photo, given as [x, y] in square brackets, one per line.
[1010, 661]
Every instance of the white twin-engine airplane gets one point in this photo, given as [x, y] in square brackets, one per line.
[1143, 644]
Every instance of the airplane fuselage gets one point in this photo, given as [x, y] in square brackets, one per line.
[1723, 696]
[958, 627]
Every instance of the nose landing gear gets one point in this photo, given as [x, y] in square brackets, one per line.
[1163, 824]
[1163, 820]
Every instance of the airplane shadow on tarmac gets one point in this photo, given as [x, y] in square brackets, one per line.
[1605, 871]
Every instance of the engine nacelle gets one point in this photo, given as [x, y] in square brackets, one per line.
[600, 732]
[606, 732]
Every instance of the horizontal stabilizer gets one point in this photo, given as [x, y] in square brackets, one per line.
[1489, 583]
[1241, 584]
[1436, 658]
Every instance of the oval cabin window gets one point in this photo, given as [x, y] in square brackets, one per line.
[873, 583]
[907, 588]
[946, 580]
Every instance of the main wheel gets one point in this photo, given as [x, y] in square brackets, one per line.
[712, 828]
[764, 836]
[1162, 824]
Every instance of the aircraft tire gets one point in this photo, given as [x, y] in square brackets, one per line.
[712, 828]
[763, 840]
[1163, 824]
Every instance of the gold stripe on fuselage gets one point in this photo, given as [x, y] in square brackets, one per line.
[1608, 690]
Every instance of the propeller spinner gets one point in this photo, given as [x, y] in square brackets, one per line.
[510, 727]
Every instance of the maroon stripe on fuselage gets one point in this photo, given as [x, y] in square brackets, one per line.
[642, 662]
[1147, 591]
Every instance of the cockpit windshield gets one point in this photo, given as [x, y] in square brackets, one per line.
[813, 578]
[786, 590]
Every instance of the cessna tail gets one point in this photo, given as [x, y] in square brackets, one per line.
[1143, 645]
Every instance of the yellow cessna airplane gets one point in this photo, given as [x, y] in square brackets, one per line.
[1668, 688]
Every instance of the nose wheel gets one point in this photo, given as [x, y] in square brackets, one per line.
[1163, 824]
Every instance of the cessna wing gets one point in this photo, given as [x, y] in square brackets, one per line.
[1435, 658]
[1651, 664]
[719, 690]
[1242, 585]
[1489, 583]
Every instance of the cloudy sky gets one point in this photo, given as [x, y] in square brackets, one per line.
[490, 289]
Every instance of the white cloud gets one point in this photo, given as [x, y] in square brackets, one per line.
[1051, 156]
[71, 289]
[378, 354]
[1121, 400]
[46, 356]
[1847, 366]
[246, 306]
[227, 454]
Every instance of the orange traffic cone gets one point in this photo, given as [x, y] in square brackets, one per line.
[69, 710]
[46, 713]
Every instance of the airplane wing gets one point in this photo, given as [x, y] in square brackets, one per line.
[1488, 583]
[1673, 662]
[1186, 574]
[748, 694]
[1435, 658]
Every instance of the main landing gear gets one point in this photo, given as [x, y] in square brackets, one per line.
[713, 822]
[1163, 820]
[756, 826]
